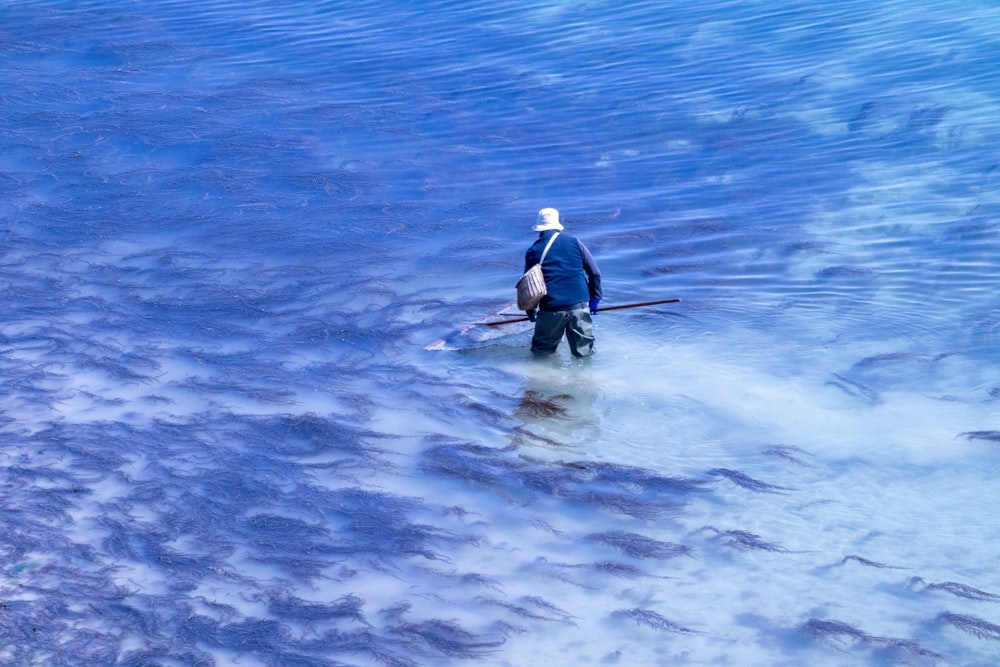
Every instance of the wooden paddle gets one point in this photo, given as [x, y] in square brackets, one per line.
[599, 310]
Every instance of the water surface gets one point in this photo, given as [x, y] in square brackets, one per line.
[230, 230]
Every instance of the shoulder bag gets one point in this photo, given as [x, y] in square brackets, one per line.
[531, 286]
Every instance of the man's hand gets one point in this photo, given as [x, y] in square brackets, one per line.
[594, 302]
[531, 314]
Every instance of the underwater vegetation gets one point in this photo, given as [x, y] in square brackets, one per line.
[209, 489]
[740, 479]
[865, 394]
[868, 563]
[639, 546]
[445, 638]
[229, 228]
[840, 272]
[534, 404]
[993, 436]
[891, 358]
[614, 488]
[973, 625]
[790, 454]
[961, 590]
[575, 574]
[839, 635]
[651, 619]
[744, 540]
[533, 607]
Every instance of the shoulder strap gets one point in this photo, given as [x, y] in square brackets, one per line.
[547, 246]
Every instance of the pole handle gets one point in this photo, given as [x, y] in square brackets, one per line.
[599, 310]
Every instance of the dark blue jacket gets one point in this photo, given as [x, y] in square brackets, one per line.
[571, 274]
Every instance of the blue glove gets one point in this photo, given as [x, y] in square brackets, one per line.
[594, 302]
[531, 314]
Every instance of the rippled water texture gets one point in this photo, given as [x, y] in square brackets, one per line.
[229, 231]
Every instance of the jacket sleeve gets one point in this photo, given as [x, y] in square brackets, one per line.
[593, 272]
[531, 257]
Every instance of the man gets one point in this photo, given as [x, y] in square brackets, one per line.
[573, 283]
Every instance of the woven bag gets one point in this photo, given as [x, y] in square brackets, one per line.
[531, 286]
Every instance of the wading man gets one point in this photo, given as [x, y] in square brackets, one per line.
[573, 284]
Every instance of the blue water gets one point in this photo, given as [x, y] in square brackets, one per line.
[230, 229]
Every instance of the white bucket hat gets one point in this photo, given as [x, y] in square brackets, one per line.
[548, 218]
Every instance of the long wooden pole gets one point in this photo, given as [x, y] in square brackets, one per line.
[600, 310]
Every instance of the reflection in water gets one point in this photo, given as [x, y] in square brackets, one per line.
[534, 404]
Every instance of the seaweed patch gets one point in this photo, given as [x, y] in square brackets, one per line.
[869, 563]
[617, 569]
[898, 357]
[651, 619]
[855, 390]
[993, 436]
[972, 625]
[740, 479]
[790, 454]
[742, 540]
[964, 591]
[535, 404]
[533, 607]
[639, 546]
[447, 638]
[837, 634]
[626, 490]
[847, 272]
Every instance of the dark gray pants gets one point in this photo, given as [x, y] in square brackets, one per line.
[577, 324]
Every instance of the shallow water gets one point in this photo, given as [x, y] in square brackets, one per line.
[230, 230]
